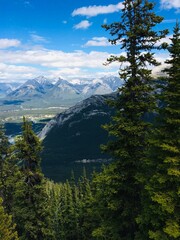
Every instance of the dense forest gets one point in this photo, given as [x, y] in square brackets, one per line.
[137, 196]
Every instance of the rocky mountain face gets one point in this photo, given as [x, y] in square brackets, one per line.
[6, 88]
[32, 88]
[63, 89]
[42, 91]
[72, 139]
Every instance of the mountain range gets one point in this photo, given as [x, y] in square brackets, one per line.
[43, 92]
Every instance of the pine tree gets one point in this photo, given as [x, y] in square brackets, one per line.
[31, 210]
[7, 228]
[161, 218]
[138, 39]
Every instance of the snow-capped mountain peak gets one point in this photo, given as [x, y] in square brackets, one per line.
[64, 90]
[42, 80]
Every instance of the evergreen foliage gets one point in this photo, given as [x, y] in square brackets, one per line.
[161, 218]
[9, 173]
[4, 145]
[41, 209]
[30, 209]
[121, 180]
[70, 210]
[7, 228]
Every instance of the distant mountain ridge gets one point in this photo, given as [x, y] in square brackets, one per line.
[42, 90]
[6, 88]
[32, 88]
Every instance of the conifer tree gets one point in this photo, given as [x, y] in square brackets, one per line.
[7, 228]
[70, 207]
[138, 39]
[55, 195]
[84, 203]
[9, 173]
[161, 218]
[3, 154]
[31, 210]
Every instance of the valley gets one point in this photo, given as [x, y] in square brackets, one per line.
[43, 98]
[14, 113]
[68, 118]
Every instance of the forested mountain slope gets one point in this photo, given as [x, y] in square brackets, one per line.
[75, 136]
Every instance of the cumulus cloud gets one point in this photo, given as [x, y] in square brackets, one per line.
[6, 43]
[20, 69]
[52, 58]
[64, 72]
[162, 57]
[10, 72]
[22, 64]
[76, 74]
[95, 10]
[98, 42]
[167, 40]
[83, 25]
[168, 4]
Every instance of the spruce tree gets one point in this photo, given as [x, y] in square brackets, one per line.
[7, 228]
[138, 39]
[31, 210]
[161, 218]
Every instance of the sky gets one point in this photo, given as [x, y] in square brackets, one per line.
[64, 38]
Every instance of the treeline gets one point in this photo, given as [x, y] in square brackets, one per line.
[33, 207]
[137, 197]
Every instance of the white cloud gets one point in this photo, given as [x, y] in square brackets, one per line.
[64, 72]
[166, 40]
[10, 72]
[83, 25]
[76, 74]
[168, 4]
[22, 64]
[6, 43]
[19, 69]
[92, 11]
[98, 42]
[37, 38]
[160, 57]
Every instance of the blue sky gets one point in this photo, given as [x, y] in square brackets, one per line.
[57, 38]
